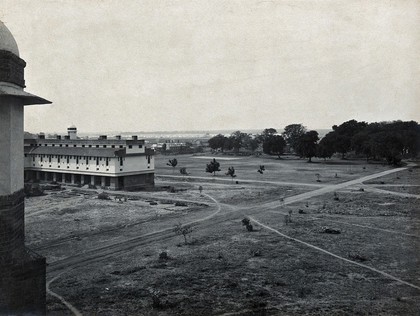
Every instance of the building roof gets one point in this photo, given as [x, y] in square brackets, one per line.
[75, 151]
[8, 89]
[7, 41]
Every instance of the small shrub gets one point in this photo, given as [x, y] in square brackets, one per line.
[331, 231]
[163, 256]
[103, 196]
[247, 223]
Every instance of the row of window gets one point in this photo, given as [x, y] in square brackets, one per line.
[77, 158]
[89, 146]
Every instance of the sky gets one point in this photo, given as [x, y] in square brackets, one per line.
[137, 65]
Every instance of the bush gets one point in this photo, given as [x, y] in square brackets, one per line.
[163, 256]
[247, 223]
[103, 196]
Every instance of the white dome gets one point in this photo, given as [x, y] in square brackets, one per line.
[7, 41]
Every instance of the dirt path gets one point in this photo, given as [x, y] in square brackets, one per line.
[73, 309]
[327, 189]
[401, 194]
[323, 218]
[315, 185]
[336, 256]
[103, 252]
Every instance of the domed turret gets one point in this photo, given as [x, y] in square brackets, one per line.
[12, 81]
[7, 41]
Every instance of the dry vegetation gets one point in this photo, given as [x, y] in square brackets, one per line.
[224, 269]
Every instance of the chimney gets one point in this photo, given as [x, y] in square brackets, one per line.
[118, 137]
[66, 136]
[41, 136]
[134, 137]
[58, 137]
[103, 137]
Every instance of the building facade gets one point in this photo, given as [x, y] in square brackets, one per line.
[110, 163]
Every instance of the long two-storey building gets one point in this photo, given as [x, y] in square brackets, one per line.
[111, 163]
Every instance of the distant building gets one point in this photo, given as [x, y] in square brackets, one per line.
[112, 163]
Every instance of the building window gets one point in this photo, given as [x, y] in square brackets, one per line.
[77, 159]
[106, 162]
[121, 146]
[121, 161]
[90, 146]
[75, 145]
[53, 145]
[68, 159]
[130, 146]
[83, 145]
[59, 157]
[97, 146]
[104, 146]
[97, 160]
[33, 158]
[140, 146]
[113, 146]
[49, 159]
[61, 145]
[148, 159]
[67, 145]
[45, 145]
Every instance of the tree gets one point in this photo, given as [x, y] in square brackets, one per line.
[261, 169]
[217, 142]
[172, 163]
[251, 142]
[183, 230]
[213, 167]
[273, 144]
[326, 146]
[388, 145]
[344, 133]
[238, 140]
[276, 145]
[307, 145]
[231, 172]
[292, 133]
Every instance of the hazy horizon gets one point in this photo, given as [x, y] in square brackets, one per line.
[216, 65]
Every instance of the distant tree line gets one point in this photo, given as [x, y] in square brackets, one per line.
[391, 141]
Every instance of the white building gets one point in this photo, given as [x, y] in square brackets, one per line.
[112, 163]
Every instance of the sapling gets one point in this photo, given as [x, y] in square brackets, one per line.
[184, 230]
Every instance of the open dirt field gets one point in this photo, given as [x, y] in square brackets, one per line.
[329, 238]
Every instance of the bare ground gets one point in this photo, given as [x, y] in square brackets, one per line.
[224, 269]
